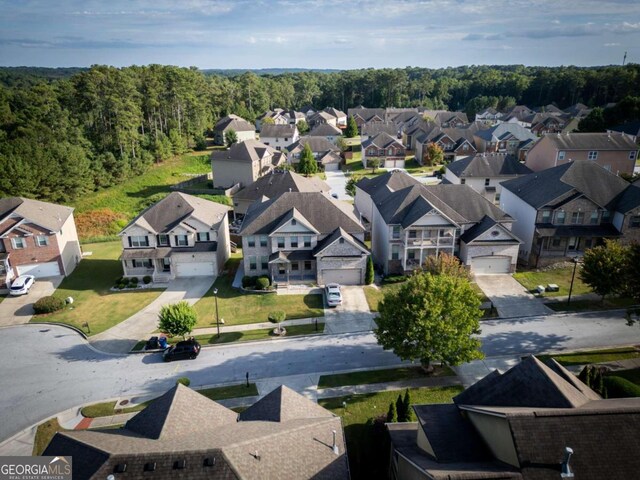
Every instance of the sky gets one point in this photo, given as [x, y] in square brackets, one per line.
[334, 34]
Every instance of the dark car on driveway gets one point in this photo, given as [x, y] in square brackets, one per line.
[188, 349]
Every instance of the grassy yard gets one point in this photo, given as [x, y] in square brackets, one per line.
[633, 375]
[594, 356]
[354, 166]
[106, 409]
[102, 214]
[238, 308]
[590, 305]
[414, 168]
[44, 434]
[559, 276]
[380, 376]
[89, 286]
[368, 452]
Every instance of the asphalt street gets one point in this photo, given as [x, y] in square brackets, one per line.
[49, 369]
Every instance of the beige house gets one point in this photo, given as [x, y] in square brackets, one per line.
[244, 130]
[615, 152]
[36, 238]
[179, 236]
[244, 163]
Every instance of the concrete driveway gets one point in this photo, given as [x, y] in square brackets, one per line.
[122, 337]
[18, 310]
[338, 181]
[509, 297]
[352, 316]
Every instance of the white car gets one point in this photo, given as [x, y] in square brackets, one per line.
[22, 284]
[334, 297]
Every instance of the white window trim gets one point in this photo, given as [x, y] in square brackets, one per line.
[42, 237]
[23, 243]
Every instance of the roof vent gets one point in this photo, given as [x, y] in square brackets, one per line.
[565, 471]
[209, 461]
[335, 448]
[179, 464]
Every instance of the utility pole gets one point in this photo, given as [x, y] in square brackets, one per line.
[624, 59]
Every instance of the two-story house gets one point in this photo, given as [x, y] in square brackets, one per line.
[384, 148]
[36, 238]
[363, 115]
[326, 153]
[562, 211]
[319, 118]
[274, 184]
[244, 163]
[244, 130]
[341, 117]
[488, 116]
[277, 116]
[627, 213]
[410, 221]
[279, 137]
[502, 138]
[371, 129]
[485, 172]
[456, 143]
[614, 151]
[304, 237]
[328, 131]
[179, 236]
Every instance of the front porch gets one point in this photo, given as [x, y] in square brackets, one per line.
[297, 267]
[6, 272]
[155, 263]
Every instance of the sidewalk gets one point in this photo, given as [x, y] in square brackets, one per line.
[256, 326]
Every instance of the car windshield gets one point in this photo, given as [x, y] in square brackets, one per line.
[17, 287]
[334, 294]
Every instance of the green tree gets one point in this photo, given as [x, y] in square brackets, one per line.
[369, 275]
[350, 187]
[230, 137]
[594, 122]
[268, 121]
[177, 319]
[431, 318]
[603, 267]
[391, 413]
[352, 128]
[401, 414]
[307, 165]
[445, 264]
[406, 402]
[303, 126]
[374, 164]
[434, 155]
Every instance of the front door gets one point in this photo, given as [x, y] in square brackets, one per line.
[166, 264]
[572, 244]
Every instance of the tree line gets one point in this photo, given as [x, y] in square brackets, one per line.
[66, 133]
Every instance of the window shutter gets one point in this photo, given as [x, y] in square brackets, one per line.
[129, 238]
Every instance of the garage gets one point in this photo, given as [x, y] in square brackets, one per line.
[195, 269]
[40, 270]
[332, 167]
[343, 277]
[490, 264]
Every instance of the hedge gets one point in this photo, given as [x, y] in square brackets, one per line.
[618, 387]
[48, 305]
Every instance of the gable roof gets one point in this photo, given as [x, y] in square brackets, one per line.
[277, 131]
[282, 405]
[529, 384]
[590, 141]
[374, 128]
[47, 215]
[501, 130]
[278, 182]
[321, 211]
[382, 140]
[588, 178]
[488, 165]
[629, 199]
[335, 112]
[176, 207]
[325, 130]
[248, 151]
[393, 180]
[486, 224]
[317, 144]
[337, 234]
[234, 122]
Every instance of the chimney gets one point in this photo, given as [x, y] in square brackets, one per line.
[337, 451]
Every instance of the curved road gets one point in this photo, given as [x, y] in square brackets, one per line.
[45, 369]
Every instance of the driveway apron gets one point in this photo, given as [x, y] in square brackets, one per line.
[122, 337]
[19, 309]
[509, 297]
[352, 316]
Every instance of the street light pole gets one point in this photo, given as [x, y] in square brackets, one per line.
[215, 295]
[573, 276]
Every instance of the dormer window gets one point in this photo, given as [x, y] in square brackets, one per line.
[182, 241]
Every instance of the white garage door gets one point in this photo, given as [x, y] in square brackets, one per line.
[332, 167]
[194, 269]
[490, 264]
[343, 277]
[40, 270]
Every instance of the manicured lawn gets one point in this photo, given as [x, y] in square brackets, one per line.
[633, 375]
[589, 305]
[89, 286]
[103, 214]
[45, 432]
[414, 168]
[560, 276]
[354, 166]
[380, 376]
[594, 356]
[237, 308]
[368, 451]
[478, 290]
[106, 409]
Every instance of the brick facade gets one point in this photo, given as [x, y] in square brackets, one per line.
[32, 253]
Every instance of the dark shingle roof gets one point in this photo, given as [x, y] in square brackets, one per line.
[372, 129]
[282, 405]
[321, 211]
[631, 128]
[479, 228]
[629, 199]
[325, 130]
[588, 178]
[277, 131]
[235, 123]
[381, 140]
[528, 384]
[591, 141]
[395, 180]
[499, 131]
[488, 165]
[278, 182]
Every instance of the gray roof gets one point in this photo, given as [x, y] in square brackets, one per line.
[281, 405]
[488, 165]
[47, 215]
[394, 180]
[277, 131]
[278, 182]
[529, 384]
[631, 128]
[248, 151]
[371, 129]
[595, 182]
[590, 141]
[234, 122]
[629, 199]
[500, 131]
[323, 212]
[177, 207]
[479, 228]
[367, 113]
[382, 140]
[335, 112]
[317, 145]
[192, 428]
[325, 130]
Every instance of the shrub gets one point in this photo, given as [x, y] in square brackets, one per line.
[201, 144]
[394, 279]
[248, 282]
[125, 281]
[277, 316]
[262, 283]
[184, 381]
[618, 387]
[369, 276]
[121, 285]
[177, 318]
[133, 281]
[118, 280]
[48, 305]
[147, 279]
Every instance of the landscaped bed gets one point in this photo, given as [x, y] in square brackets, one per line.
[90, 287]
[380, 376]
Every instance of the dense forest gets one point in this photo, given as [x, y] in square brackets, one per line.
[69, 131]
